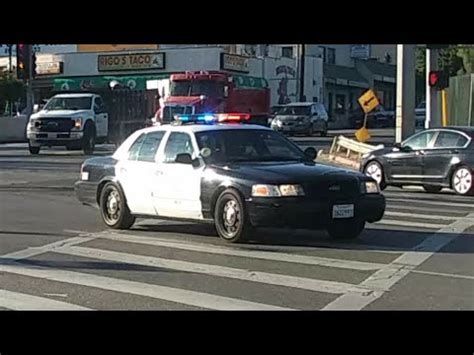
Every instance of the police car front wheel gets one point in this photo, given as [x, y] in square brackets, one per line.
[231, 218]
[114, 209]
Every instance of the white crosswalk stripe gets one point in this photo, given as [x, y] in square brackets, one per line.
[23, 302]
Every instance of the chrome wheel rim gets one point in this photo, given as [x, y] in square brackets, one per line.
[112, 207]
[462, 181]
[374, 171]
[231, 218]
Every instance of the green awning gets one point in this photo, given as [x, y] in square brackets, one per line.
[100, 82]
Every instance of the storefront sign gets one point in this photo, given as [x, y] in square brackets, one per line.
[360, 51]
[133, 61]
[49, 68]
[234, 63]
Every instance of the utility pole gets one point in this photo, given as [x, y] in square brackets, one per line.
[302, 63]
[433, 116]
[10, 66]
[405, 110]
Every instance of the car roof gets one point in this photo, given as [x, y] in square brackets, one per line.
[74, 95]
[205, 127]
[465, 129]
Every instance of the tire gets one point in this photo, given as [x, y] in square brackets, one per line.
[461, 181]
[348, 229]
[375, 171]
[114, 209]
[433, 189]
[88, 141]
[33, 150]
[231, 217]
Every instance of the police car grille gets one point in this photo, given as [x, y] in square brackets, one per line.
[334, 189]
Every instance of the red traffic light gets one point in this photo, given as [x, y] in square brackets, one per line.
[434, 78]
[438, 79]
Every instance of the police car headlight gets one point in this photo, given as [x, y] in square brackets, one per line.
[370, 187]
[277, 191]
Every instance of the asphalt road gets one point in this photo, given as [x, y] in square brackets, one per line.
[56, 254]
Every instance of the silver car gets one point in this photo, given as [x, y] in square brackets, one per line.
[301, 118]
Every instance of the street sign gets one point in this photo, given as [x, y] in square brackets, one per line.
[362, 135]
[369, 101]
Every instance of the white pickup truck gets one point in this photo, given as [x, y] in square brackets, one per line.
[76, 121]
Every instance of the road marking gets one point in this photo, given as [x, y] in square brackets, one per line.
[193, 298]
[33, 251]
[436, 203]
[23, 302]
[255, 254]
[394, 222]
[452, 213]
[417, 215]
[315, 285]
[384, 279]
[443, 274]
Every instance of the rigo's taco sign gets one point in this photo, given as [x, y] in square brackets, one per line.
[132, 61]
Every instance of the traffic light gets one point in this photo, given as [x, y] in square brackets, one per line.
[23, 56]
[438, 79]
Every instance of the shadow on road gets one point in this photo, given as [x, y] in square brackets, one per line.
[371, 239]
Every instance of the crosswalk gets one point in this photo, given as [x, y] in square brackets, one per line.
[146, 268]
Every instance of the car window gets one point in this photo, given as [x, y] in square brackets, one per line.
[98, 104]
[419, 141]
[135, 147]
[450, 140]
[150, 146]
[178, 143]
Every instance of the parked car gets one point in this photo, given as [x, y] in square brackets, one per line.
[301, 118]
[379, 118]
[434, 158]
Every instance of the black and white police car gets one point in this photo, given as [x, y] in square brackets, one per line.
[215, 168]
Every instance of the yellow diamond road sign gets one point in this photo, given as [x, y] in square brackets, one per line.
[369, 101]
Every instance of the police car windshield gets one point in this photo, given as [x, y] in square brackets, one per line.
[246, 145]
[69, 103]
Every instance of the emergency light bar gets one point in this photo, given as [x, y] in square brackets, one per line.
[209, 118]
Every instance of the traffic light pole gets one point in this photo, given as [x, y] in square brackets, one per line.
[29, 88]
[405, 110]
[433, 114]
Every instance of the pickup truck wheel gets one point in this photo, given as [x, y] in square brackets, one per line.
[88, 141]
[114, 209]
[33, 150]
[231, 218]
[349, 229]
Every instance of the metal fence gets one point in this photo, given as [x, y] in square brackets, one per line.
[461, 100]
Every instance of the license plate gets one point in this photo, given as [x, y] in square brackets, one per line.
[343, 211]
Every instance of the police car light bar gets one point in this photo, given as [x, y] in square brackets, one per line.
[212, 118]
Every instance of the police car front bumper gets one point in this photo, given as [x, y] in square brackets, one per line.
[303, 213]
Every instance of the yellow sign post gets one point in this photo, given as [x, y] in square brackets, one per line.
[369, 102]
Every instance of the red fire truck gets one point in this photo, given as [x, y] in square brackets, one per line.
[215, 92]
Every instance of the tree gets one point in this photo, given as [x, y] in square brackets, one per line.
[11, 90]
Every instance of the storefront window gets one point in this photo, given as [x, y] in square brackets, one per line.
[340, 103]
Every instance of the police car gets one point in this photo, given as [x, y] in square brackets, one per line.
[223, 170]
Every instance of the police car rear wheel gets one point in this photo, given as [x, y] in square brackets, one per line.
[231, 218]
[114, 209]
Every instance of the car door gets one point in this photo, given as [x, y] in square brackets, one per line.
[406, 164]
[136, 173]
[447, 148]
[101, 117]
[177, 191]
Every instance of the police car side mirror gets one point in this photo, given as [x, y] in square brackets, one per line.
[310, 153]
[184, 158]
